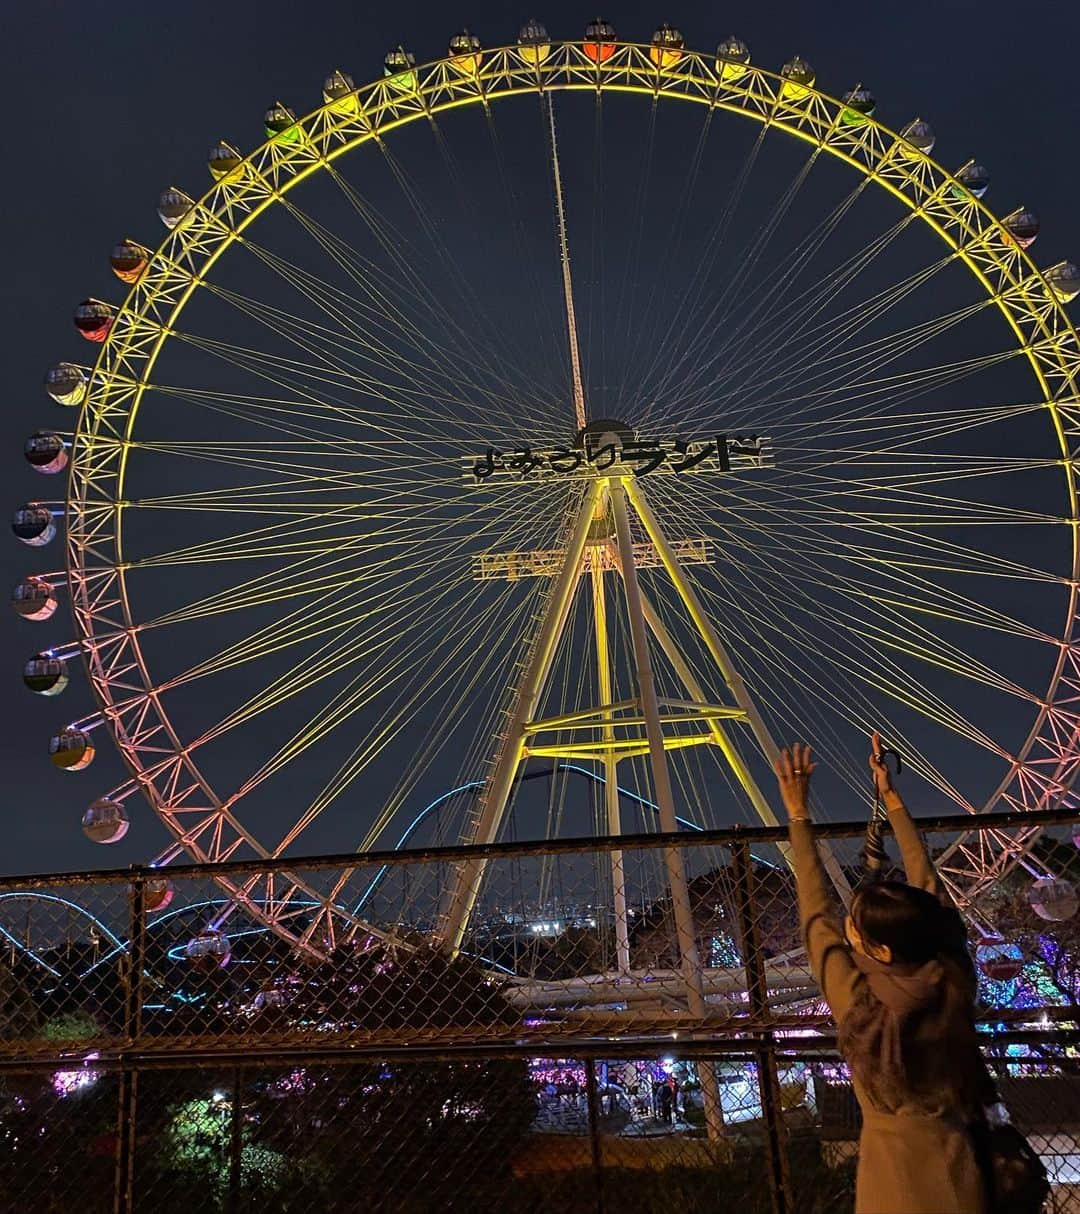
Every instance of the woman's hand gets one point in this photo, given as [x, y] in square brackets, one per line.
[879, 768]
[793, 769]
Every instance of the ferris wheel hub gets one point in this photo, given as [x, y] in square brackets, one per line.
[604, 432]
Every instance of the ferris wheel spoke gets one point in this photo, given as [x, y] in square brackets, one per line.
[283, 372]
[348, 644]
[347, 348]
[622, 315]
[916, 428]
[340, 606]
[809, 685]
[596, 309]
[744, 378]
[783, 698]
[853, 369]
[299, 580]
[358, 694]
[751, 253]
[899, 588]
[904, 469]
[904, 588]
[345, 256]
[492, 341]
[381, 494]
[697, 373]
[331, 602]
[296, 460]
[774, 305]
[514, 395]
[836, 688]
[382, 398]
[263, 365]
[337, 610]
[887, 540]
[451, 687]
[690, 303]
[294, 579]
[853, 377]
[548, 338]
[793, 312]
[898, 507]
[713, 318]
[658, 298]
[886, 621]
[322, 531]
[324, 534]
[814, 490]
[237, 503]
[885, 392]
[278, 415]
[890, 625]
[898, 584]
[378, 308]
[794, 330]
[826, 635]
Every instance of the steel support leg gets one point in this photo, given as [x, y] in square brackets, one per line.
[464, 886]
[690, 961]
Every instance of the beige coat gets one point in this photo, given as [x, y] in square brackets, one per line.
[915, 1154]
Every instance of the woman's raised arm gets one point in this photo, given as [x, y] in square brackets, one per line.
[918, 868]
[826, 945]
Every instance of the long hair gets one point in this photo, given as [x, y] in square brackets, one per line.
[929, 1058]
[914, 925]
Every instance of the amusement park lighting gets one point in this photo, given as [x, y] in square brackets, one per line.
[545, 928]
[67, 1083]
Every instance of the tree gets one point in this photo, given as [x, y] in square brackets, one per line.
[58, 1143]
[70, 1026]
[19, 1017]
[715, 907]
[572, 954]
[422, 1129]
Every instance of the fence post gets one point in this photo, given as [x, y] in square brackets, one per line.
[124, 1182]
[236, 1142]
[137, 962]
[593, 1105]
[132, 963]
[758, 990]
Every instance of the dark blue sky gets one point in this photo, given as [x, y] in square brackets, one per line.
[108, 104]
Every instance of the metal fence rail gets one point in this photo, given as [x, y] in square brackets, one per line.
[160, 1048]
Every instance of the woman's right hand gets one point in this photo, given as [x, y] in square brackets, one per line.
[793, 769]
[879, 768]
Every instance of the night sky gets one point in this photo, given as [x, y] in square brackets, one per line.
[109, 104]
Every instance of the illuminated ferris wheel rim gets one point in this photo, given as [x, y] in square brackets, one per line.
[159, 763]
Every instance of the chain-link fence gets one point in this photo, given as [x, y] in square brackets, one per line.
[501, 1129]
[621, 1023]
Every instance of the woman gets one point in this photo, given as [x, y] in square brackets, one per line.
[901, 985]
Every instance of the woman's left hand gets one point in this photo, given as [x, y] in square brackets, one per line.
[793, 769]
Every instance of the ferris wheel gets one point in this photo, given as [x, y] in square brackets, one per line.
[382, 481]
